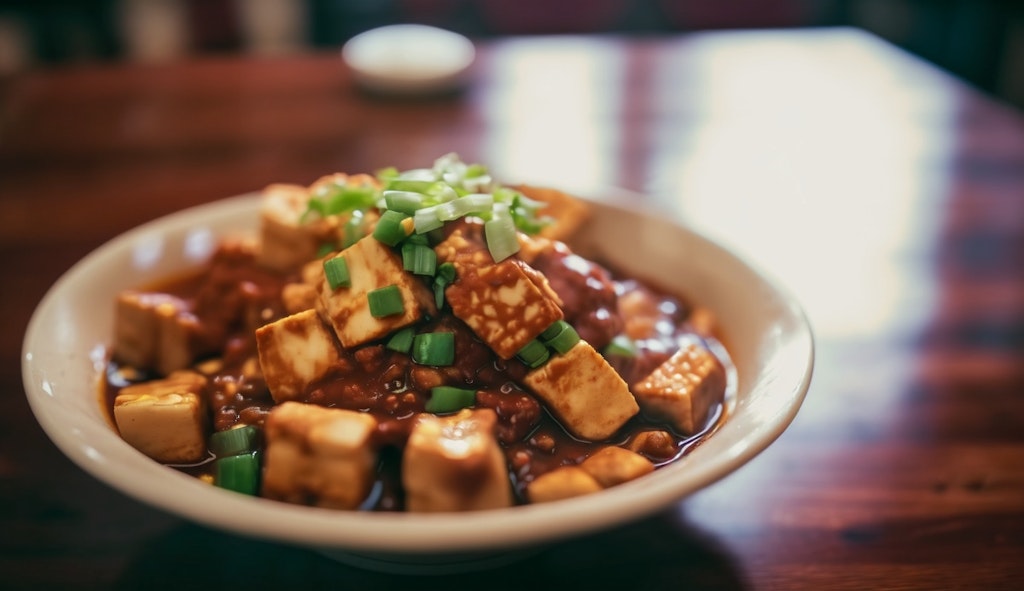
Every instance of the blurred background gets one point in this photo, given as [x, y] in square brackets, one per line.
[980, 41]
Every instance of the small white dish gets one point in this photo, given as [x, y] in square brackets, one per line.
[65, 350]
[409, 59]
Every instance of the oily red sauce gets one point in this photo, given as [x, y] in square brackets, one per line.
[233, 295]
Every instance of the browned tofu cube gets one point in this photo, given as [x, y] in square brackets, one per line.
[165, 419]
[568, 213]
[287, 240]
[562, 483]
[454, 463]
[614, 465]
[319, 456]
[683, 389]
[154, 331]
[294, 352]
[507, 304]
[371, 265]
[584, 392]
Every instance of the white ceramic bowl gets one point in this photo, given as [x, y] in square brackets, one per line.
[66, 346]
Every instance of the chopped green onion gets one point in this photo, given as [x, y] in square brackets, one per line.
[401, 341]
[416, 186]
[446, 271]
[621, 346]
[235, 441]
[419, 259]
[442, 279]
[325, 249]
[534, 354]
[500, 232]
[560, 336]
[239, 473]
[389, 228]
[353, 229]
[449, 399]
[386, 301]
[336, 270]
[336, 199]
[426, 219]
[434, 348]
[463, 206]
[406, 202]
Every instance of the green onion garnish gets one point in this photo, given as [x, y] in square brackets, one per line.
[449, 399]
[434, 348]
[419, 259]
[560, 336]
[325, 249]
[341, 198]
[426, 220]
[389, 228]
[534, 354]
[406, 202]
[500, 232]
[235, 441]
[353, 229]
[621, 346]
[386, 301]
[336, 271]
[240, 473]
[442, 279]
[401, 341]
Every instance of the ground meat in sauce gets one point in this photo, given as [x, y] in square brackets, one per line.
[587, 292]
[233, 295]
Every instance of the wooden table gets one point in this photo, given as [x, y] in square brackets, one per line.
[887, 196]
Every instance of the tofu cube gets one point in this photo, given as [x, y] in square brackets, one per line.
[584, 392]
[289, 240]
[454, 463]
[683, 389]
[507, 304]
[286, 240]
[320, 456]
[562, 483]
[371, 265]
[165, 419]
[613, 465]
[567, 212]
[294, 352]
[154, 331]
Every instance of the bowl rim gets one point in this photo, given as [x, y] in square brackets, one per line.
[182, 495]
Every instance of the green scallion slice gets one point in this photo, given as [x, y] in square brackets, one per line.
[406, 202]
[434, 348]
[621, 346]
[389, 228]
[419, 259]
[500, 232]
[401, 341]
[336, 270]
[426, 219]
[240, 473]
[386, 301]
[354, 228]
[235, 441]
[560, 336]
[444, 399]
[443, 277]
[534, 354]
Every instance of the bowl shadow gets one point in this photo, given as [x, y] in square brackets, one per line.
[659, 552]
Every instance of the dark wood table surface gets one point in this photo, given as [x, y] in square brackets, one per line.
[886, 195]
